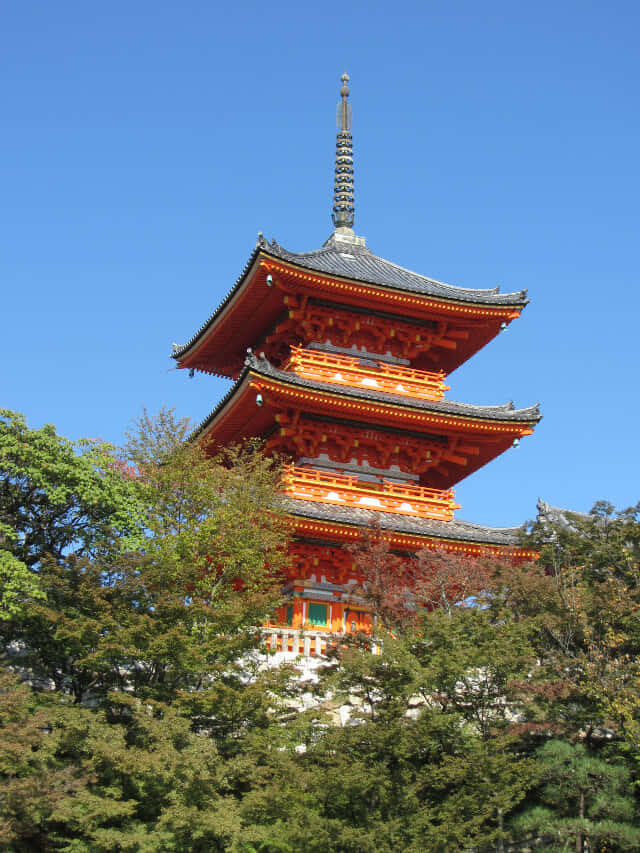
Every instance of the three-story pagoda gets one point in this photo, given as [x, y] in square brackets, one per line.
[339, 360]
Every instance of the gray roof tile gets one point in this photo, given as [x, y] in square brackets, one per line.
[359, 263]
[464, 531]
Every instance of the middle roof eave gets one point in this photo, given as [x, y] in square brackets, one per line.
[262, 368]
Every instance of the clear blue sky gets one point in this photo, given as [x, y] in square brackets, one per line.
[144, 144]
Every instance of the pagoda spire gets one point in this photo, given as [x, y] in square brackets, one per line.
[343, 209]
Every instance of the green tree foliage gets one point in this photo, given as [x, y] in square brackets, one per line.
[502, 709]
[17, 586]
[32, 782]
[583, 801]
[59, 497]
[404, 774]
[155, 785]
[146, 645]
[211, 524]
[177, 612]
[592, 565]
[603, 544]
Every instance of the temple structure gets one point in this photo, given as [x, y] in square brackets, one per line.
[340, 361]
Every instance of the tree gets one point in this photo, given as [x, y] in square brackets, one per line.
[152, 723]
[151, 654]
[404, 774]
[180, 610]
[446, 580]
[583, 800]
[32, 781]
[17, 585]
[593, 566]
[59, 497]
[604, 543]
[214, 521]
[388, 579]
[399, 587]
[475, 665]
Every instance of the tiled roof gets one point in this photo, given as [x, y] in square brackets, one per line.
[261, 366]
[464, 531]
[358, 263]
[550, 516]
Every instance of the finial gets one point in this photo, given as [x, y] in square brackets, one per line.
[343, 208]
[344, 122]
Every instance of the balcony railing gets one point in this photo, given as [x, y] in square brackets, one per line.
[290, 643]
[381, 376]
[385, 496]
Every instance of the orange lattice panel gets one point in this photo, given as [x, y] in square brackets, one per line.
[345, 370]
[384, 496]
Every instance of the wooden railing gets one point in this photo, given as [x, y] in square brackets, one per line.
[385, 496]
[345, 370]
[293, 642]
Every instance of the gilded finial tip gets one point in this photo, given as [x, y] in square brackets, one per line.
[344, 91]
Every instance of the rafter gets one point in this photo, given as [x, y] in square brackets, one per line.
[308, 322]
[300, 436]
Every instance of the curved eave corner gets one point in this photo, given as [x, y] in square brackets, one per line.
[182, 350]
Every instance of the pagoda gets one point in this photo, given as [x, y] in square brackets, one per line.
[340, 361]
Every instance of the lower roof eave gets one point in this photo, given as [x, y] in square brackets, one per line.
[346, 523]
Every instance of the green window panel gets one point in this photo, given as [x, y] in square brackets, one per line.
[318, 614]
[290, 614]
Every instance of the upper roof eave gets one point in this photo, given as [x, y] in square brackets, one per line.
[358, 263]
[363, 267]
[180, 349]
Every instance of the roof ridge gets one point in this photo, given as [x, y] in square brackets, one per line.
[325, 249]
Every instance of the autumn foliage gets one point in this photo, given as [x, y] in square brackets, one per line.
[400, 586]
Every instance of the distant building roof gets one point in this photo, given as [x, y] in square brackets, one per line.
[549, 515]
